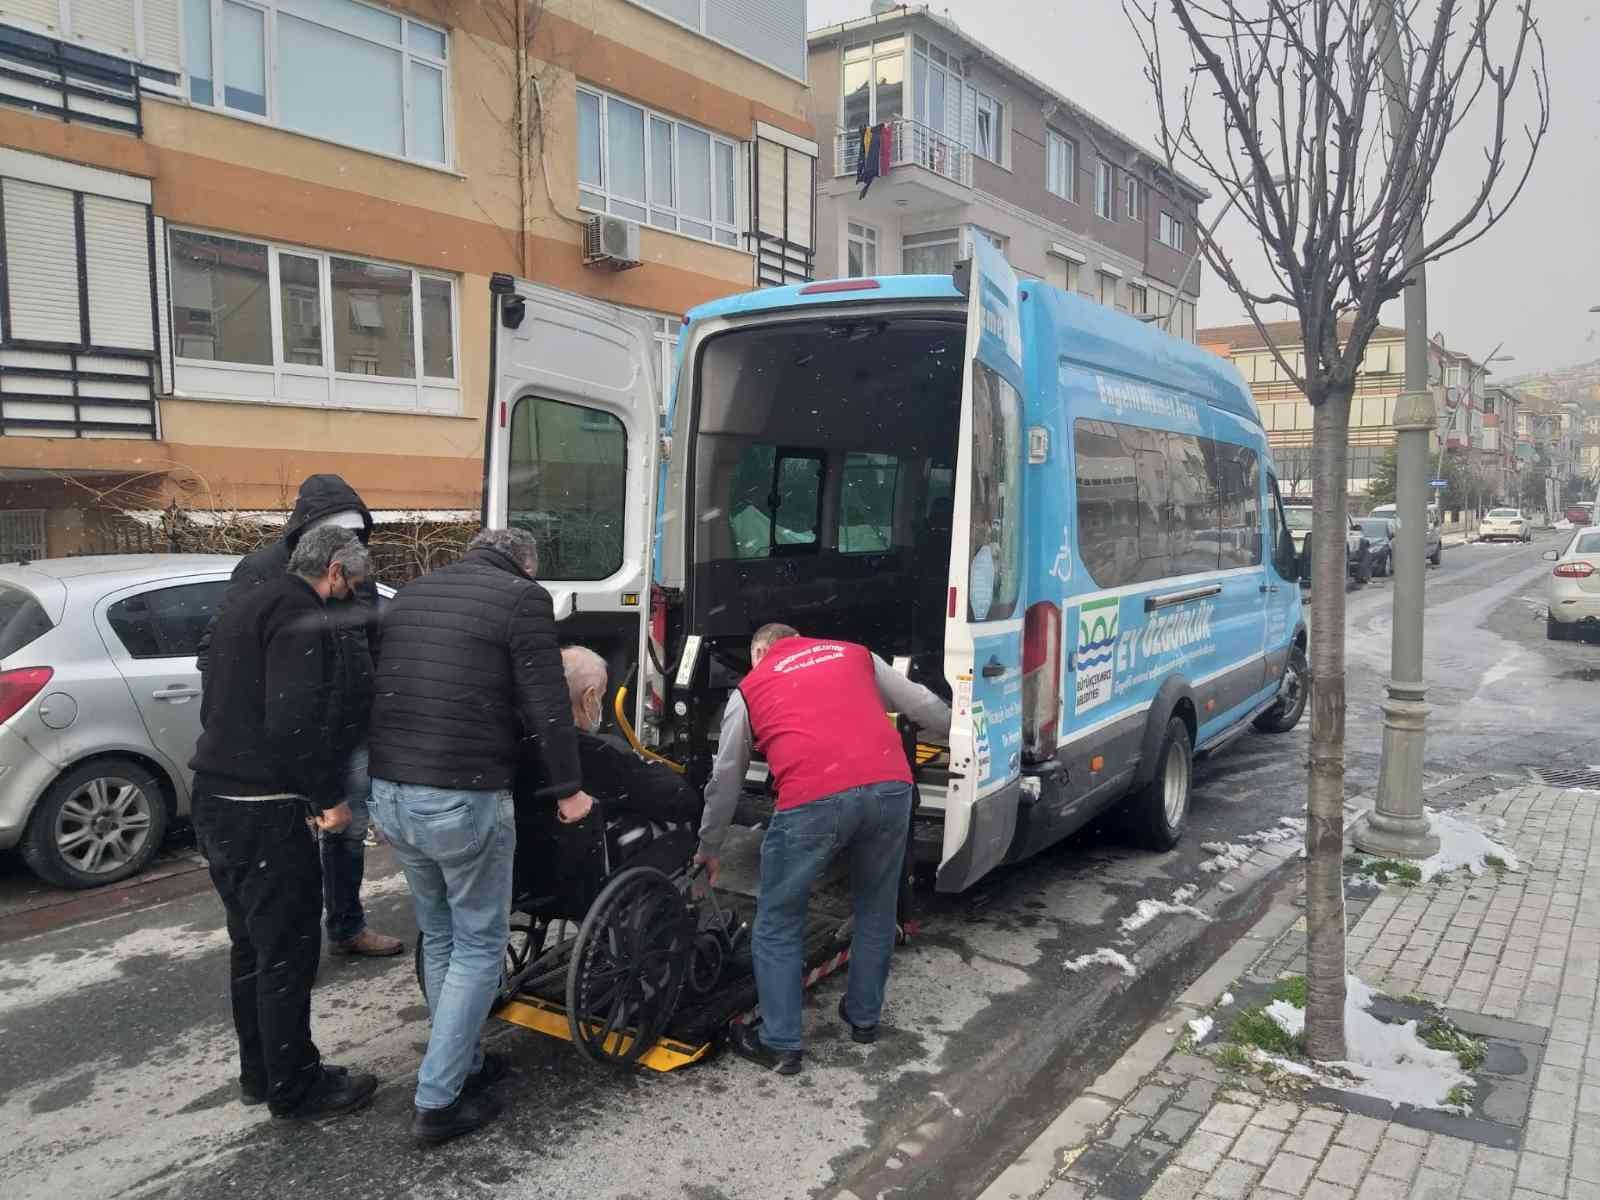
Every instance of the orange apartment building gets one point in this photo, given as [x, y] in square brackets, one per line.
[243, 241]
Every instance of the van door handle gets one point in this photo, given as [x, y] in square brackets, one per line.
[1265, 588]
[176, 691]
[993, 669]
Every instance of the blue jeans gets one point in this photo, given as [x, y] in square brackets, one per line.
[344, 856]
[456, 848]
[872, 822]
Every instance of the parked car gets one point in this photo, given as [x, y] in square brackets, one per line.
[100, 706]
[1358, 548]
[1432, 539]
[1575, 589]
[1504, 525]
[1580, 512]
[1380, 533]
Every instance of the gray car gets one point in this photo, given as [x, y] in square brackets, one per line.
[100, 706]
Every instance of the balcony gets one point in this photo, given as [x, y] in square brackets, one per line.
[66, 81]
[912, 144]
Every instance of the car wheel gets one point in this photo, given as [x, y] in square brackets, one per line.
[1157, 812]
[1293, 693]
[1364, 567]
[100, 822]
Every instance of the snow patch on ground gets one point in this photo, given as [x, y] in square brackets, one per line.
[1188, 891]
[1149, 910]
[1562, 525]
[1106, 955]
[1462, 844]
[1226, 1001]
[1226, 856]
[1389, 1062]
[1201, 1027]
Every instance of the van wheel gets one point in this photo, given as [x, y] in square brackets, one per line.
[100, 822]
[1285, 714]
[1157, 813]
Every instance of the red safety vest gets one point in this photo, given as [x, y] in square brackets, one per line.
[817, 717]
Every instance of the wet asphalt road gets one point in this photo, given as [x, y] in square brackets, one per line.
[117, 1063]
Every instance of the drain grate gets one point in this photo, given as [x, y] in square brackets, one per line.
[1569, 777]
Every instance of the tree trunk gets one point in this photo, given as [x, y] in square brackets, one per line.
[1325, 791]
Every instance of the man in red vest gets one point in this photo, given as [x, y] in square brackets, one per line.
[816, 709]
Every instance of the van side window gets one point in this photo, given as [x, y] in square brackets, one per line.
[1192, 504]
[866, 503]
[1239, 476]
[568, 486]
[1108, 503]
[776, 502]
[994, 568]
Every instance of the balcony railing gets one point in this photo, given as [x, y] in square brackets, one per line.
[912, 144]
[66, 81]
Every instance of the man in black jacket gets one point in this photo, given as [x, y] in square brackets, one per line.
[469, 685]
[329, 500]
[264, 763]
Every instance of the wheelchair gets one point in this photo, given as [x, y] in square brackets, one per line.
[610, 923]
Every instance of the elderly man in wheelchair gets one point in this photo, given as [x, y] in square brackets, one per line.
[605, 921]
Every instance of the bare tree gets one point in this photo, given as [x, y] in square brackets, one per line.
[1302, 157]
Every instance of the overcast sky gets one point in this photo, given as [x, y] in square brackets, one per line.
[1530, 283]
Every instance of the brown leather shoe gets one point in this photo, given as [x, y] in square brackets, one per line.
[367, 944]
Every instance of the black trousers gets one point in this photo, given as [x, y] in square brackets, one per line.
[264, 863]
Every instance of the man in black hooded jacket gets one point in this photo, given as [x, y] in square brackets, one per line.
[329, 500]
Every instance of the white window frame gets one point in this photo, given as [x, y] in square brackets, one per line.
[281, 366]
[1140, 291]
[1134, 203]
[1169, 232]
[872, 57]
[929, 237]
[866, 237]
[1105, 190]
[740, 174]
[997, 121]
[954, 80]
[1066, 151]
[270, 10]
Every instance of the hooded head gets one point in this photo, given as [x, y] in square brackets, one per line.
[327, 500]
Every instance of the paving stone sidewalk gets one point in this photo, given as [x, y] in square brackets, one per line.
[1509, 955]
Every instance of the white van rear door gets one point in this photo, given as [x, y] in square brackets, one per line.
[573, 441]
[986, 598]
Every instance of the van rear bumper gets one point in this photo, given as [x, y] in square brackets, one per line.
[994, 824]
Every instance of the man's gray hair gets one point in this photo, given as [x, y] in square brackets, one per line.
[326, 545]
[517, 544]
[584, 670]
[775, 631]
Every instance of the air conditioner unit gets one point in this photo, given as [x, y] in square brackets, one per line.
[611, 242]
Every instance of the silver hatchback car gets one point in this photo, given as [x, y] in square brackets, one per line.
[100, 706]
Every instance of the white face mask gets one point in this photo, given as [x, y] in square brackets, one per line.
[591, 717]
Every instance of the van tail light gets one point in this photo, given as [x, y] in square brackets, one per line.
[1041, 680]
[1574, 570]
[18, 687]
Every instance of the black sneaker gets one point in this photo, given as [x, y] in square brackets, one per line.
[467, 1115]
[495, 1068]
[862, 1035]
[339, 1090]
[252, 1094]
[745, 1041]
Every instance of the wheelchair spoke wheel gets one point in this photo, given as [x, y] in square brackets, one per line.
[628, 966]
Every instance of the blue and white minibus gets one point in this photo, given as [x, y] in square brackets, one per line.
[1062, 519]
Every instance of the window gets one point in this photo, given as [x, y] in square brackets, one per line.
[994, 239]
[861, 250]
[1135, 199]
[1138, 299]
[1105, 190]
[568, 486]
[1062, 272]
[1061, 165]
[995, 533]
[771, 31]
[936, 89]
[1108, 289]
[1169, 231]
[343, 70]
[381, 320]
[866, 503]
[650, 168]
[166, 622]
[22, 539]
[1239, 492]
[874, 83]
[991, 131]
[776, 502]
[929, 253]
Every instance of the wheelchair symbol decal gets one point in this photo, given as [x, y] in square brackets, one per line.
[1062, 569]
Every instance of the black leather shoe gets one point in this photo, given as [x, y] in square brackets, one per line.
[467, 1115]
[861, 1035]
[745, 1041]
[339, 1090]
[252, 1094]
[495, 1068]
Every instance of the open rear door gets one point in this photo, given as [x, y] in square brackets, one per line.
[573, 442]
[984, 617]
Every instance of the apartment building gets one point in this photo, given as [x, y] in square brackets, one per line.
[245, 241]
[1457, 381]
[977, 147]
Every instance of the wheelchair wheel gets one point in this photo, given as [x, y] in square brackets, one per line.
[522, 947]
[629, 963]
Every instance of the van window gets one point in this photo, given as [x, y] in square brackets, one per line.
[1191, 504]
[568, 486]
[776, 501]
[1239, 492]
[866, 503]
[1108, 503]
[994, 569]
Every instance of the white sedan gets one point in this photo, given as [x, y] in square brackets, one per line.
[1504, 525]
[1575, 588]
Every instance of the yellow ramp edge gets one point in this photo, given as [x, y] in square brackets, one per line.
[543, 1017]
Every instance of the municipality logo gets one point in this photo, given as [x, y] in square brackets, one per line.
[1096, 653]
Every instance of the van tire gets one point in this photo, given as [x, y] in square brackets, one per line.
[1285, 714]
[1150, 821]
